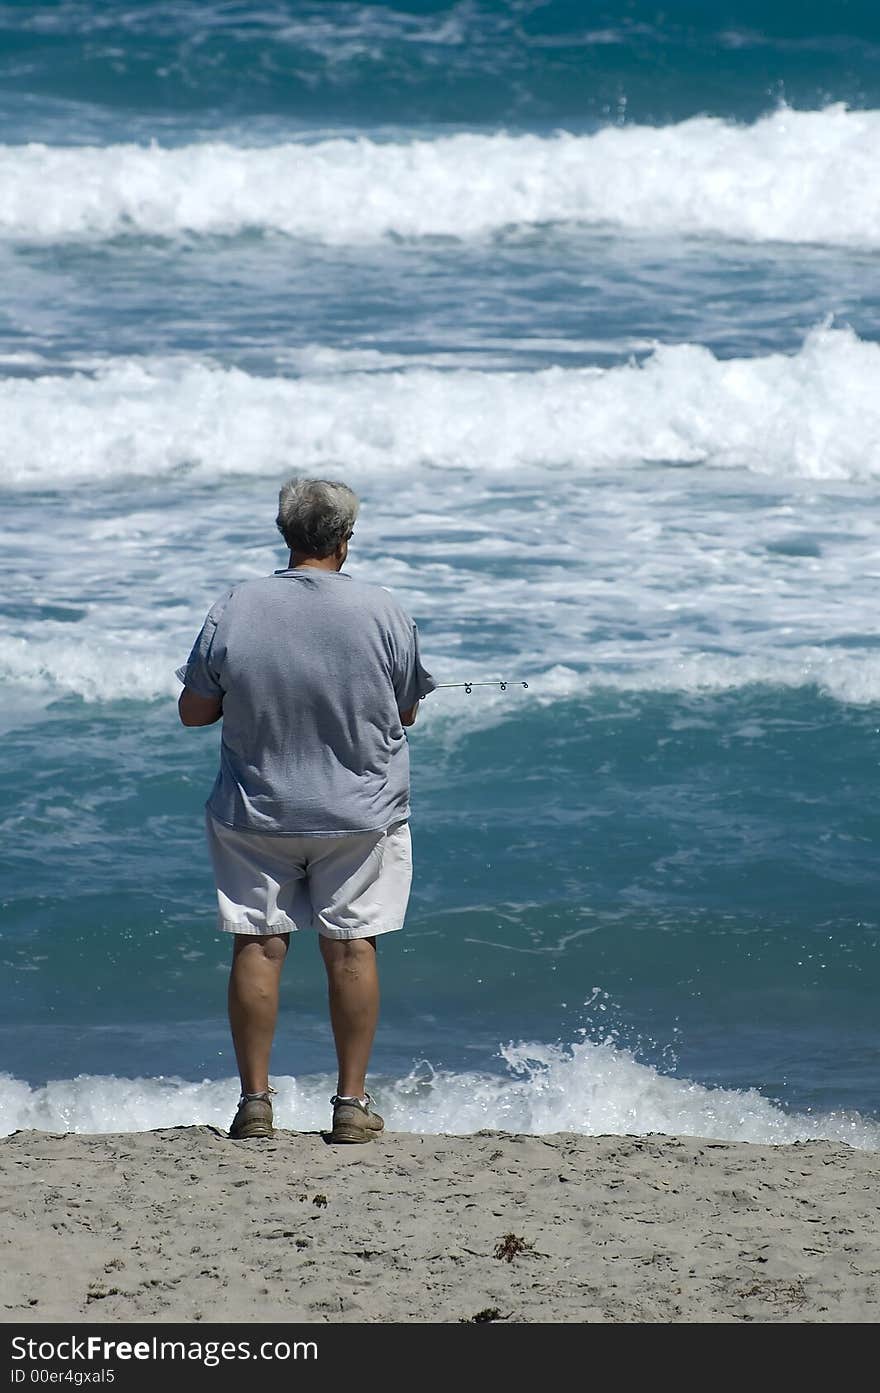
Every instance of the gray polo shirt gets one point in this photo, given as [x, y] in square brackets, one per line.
[313, 669]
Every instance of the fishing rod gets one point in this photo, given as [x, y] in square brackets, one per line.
[469, 686]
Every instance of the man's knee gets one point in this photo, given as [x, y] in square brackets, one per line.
[266, 947]
[348, 953]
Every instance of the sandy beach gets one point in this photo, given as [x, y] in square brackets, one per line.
[183, 1224]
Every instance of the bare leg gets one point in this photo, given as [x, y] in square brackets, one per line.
[253, 1004]
[353, 982]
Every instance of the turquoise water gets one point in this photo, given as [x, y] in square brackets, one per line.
[587, 312]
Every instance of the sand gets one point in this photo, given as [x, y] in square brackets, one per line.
[182, 1224]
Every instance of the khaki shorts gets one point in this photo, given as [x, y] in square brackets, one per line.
[345, 887]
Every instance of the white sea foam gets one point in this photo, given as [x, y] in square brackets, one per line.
[37, 672]
[593, 1089]
[813, 414]
[93, 666]
[797, 176]
[536, 524]
[852, 678]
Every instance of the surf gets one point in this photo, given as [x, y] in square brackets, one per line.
[814, 414]
[587, 1088]
[792, 176]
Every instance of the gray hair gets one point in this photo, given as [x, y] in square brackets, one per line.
[315, 516]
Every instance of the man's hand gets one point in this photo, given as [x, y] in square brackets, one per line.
[408, 718]
[195, 710]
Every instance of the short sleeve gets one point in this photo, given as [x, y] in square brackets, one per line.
[201, 671]
[411, 680]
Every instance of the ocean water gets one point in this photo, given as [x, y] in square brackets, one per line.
[585, 302]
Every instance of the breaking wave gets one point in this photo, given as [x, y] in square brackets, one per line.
[592, 1089]
[793, 176]
[814, 414]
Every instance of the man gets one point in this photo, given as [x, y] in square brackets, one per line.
[315, 676]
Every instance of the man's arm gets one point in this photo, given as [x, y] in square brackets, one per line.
[196, 710]
[411, 681]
